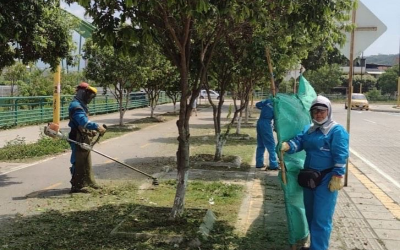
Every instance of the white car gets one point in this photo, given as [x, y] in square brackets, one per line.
[213, 94]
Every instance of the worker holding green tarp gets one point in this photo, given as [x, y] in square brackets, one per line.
[291, 116]
[325, 144]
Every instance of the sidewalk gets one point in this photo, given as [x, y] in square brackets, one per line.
[384, 108]
[365, 218]
[33, 133]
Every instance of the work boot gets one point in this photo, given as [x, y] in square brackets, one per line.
[272, 168]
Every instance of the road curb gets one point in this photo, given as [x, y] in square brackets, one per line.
[385, 110]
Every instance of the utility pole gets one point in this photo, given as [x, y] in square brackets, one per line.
[56, 95]
[350, 86]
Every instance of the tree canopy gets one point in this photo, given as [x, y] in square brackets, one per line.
[387, 82]
[33, 30]
[325, 78]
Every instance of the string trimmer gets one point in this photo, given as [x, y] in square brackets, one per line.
[52, 131]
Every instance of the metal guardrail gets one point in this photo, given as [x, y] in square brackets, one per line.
[32, 110]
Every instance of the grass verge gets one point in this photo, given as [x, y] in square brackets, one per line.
[85, 221]
[203, 143]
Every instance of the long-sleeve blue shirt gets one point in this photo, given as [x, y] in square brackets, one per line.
[79, 116]
[267, 109]
[323, 151]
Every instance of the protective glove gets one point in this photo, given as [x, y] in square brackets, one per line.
[285, 146]
[336, 183]
[101, 129]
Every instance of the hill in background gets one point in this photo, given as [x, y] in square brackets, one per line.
[383, 59]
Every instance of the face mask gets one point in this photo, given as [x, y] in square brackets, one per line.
[89, 95]
[321, 122]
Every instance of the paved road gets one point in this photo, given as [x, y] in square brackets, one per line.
[375, 146]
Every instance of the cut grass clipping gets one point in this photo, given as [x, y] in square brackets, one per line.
[85, 221]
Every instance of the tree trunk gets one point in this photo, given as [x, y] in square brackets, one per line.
[12, 89]
[182, 156]
[251, 104]
[219, 145]
[127, 100]
[151, 111]
[220, 139]
[121, 118]
[239, 120]
[246, 114]
[121, 107]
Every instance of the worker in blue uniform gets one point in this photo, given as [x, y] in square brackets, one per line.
[82, 130]
[326, 144]
[265, 136]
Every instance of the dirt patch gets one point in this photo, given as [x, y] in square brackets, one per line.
[150, 165]
[142, 221]
[239, 137]
[154, 119]
[176, 113]
[206, 162]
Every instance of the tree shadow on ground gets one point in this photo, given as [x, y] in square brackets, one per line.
[5, 180]
[48, 193]
[84, 225]
[197, 140]
[163, 168]
[200, 126]
[149, 165]
[206, 119]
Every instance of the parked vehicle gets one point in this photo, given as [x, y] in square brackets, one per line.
[213, 94]
[358, 101]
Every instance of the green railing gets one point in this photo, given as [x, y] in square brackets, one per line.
[32, 110]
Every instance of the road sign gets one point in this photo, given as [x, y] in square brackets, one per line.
[368, 29]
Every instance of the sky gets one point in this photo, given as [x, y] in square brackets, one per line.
[388, 11]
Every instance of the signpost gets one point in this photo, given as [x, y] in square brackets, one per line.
[367, 29]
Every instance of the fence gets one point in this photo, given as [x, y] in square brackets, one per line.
[16, 111]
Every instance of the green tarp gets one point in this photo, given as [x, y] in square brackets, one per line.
[291, 115]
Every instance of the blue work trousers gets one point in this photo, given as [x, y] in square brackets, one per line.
[320, 205]
[265, 140]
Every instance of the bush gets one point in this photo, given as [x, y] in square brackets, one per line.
[374, 94]
[18, 149]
